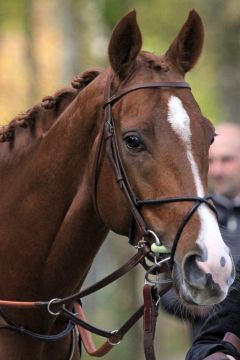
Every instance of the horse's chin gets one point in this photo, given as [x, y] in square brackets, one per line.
[194, 310]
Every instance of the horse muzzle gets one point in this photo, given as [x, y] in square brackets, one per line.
[205, 282]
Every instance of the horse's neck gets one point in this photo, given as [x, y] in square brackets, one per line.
[73, 143]
[55, 223]
[81, 232]
[37, 121]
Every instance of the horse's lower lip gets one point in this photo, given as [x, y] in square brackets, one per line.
[194, 309]
[188, 300]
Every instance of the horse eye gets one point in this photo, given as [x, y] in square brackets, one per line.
[133, 142]
[213, 138]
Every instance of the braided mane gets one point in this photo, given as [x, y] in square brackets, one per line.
[56, 104]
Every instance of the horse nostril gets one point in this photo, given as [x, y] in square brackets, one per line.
[193, 274]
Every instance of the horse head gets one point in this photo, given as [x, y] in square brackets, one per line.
[162, 143]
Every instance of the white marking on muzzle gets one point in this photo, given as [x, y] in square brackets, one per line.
[209, 235]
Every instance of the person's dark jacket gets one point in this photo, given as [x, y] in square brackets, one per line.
[220, 328]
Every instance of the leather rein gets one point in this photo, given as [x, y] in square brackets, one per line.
[147, 243]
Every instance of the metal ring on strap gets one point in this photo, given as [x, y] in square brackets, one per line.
[49, 305]
[114, 332]
[157, 241]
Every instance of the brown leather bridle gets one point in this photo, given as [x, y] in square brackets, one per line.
[113, 152]
[152, 289]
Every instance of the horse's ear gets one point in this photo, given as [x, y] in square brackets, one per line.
[187, 47]
[125, 44]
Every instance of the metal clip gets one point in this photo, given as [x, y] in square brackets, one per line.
[49, 305]
[154, 271]
[157, 302]
[141, 244]
[162, 261]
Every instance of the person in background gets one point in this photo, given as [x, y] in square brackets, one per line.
[224, 185]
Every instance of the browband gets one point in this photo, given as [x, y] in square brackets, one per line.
[147, 85]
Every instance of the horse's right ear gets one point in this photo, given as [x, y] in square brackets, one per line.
[125, 44]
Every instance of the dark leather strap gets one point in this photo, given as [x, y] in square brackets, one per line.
[114, 336]
[147, 85]
[150, 319]
[115, 160]
[198, 201]
[113, 340]
[128, 266]
[12, 326]
[149, 310]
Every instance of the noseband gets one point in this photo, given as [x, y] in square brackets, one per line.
[135, 205]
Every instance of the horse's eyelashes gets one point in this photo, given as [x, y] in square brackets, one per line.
[213, 138]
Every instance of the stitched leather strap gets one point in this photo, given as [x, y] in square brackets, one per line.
[128, 266]
[150, 319]
[147, 85]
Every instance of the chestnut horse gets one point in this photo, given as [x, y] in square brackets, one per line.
[65, 183]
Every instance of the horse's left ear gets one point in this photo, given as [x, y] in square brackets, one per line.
[187, 47]
[125, 44]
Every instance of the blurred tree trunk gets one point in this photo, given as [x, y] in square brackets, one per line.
[30, 59]
[224, 34]
[72, 29]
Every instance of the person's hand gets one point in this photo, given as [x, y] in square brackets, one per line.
[219, 356]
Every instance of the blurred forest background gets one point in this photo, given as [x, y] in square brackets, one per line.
[44, 44]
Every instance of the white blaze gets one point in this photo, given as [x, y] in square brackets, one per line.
[209, 235]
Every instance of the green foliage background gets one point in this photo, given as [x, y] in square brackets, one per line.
[87, 24]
